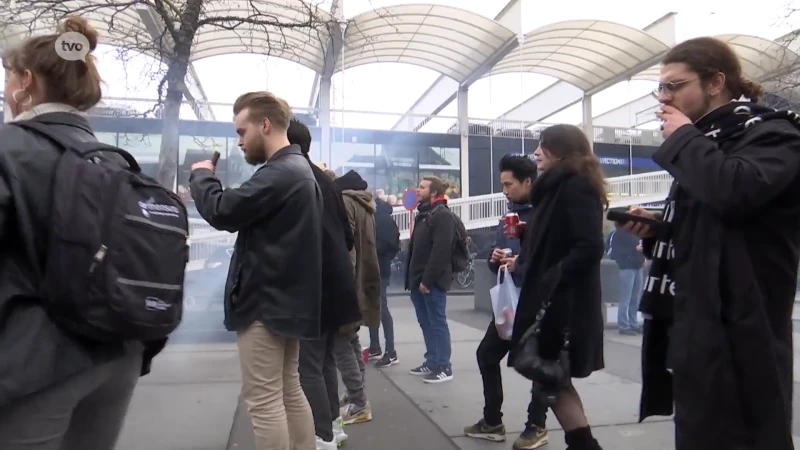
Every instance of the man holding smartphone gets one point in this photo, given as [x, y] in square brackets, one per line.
[517, 174]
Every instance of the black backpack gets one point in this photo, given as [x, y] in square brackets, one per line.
[460, 256]
[117, 247]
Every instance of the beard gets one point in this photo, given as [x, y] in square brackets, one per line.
[255, 154]
[700, 112]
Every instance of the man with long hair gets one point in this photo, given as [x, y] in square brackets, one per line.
[719, 296]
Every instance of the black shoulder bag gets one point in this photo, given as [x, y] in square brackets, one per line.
[551, 373]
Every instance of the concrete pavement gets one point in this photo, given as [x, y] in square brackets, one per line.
[190, 400]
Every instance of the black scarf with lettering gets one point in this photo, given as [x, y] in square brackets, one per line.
[727, 122]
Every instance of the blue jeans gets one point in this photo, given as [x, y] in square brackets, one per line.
[431, 312]
[630, 292]
[386, 322]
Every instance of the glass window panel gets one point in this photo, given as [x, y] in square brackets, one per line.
[347, 156]
[239, 170]
[144, 147]
[192, 149]
[396, 171]
[445, 163]
[315, 152]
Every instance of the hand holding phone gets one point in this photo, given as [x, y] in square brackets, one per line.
[637, 221]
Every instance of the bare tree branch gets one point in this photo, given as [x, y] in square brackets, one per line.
[289, 29]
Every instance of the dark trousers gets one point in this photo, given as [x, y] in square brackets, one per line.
[320, 383]
[386, 322]
[490, 352]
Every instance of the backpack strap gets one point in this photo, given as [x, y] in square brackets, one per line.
[80, 148]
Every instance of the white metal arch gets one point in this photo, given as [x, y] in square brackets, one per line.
[584, 53]
[762, 59]
[451, 41]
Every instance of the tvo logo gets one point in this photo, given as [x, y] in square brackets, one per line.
[72, 46]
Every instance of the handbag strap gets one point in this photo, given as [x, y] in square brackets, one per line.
[536, 328]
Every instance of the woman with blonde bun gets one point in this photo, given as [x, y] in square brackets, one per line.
[57, 391]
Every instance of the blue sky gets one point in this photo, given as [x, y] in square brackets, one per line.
[393, 88]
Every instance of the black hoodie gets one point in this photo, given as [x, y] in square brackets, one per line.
[387, 237]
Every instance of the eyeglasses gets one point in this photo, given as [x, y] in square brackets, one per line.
[670, 88]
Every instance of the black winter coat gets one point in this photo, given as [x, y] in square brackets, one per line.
[339, 301]
[737, 246]
[35, 353]
[563, 248]
[276, 271]
[430, 251]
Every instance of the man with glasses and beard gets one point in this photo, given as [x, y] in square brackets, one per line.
[718, 300]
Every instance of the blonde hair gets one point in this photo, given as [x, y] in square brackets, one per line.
[264, 105]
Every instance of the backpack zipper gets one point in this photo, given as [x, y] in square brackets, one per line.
[98, 258]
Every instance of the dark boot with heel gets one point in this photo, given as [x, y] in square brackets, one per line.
[581, 439]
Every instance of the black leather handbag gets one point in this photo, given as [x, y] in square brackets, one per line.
[552, 375]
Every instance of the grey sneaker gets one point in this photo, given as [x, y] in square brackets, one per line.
[352, 414]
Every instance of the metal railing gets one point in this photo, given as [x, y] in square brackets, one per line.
[481, 211]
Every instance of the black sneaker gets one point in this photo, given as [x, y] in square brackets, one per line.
[439, 376]
[420, 371]
[388, 360]
[373, 354]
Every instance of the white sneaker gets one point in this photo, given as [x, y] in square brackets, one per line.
[339, 436]
[322, 445]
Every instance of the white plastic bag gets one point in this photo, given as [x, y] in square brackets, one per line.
[505, 296]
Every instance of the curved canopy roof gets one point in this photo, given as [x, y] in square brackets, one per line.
[451, 41]
[121, 27]
[761, 58]
[287, 29]
[584, 53]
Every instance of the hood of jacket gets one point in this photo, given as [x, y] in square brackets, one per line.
[351, 181]
[383, 208]
[364, 198]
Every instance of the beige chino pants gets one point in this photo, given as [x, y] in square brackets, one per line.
[271, 389]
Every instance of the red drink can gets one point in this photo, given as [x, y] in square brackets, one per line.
[512, 224]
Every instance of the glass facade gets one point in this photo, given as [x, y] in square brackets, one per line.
[391, 169]
[391, 162]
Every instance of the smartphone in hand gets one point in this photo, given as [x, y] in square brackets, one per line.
[622, 217]
[215, 158]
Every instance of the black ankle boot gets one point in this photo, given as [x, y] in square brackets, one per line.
[581, 439]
